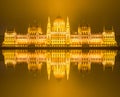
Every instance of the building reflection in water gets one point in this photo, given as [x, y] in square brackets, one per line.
[58, 61]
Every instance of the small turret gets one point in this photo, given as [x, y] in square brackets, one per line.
[68, 25]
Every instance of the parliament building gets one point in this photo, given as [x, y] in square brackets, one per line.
[59, 34]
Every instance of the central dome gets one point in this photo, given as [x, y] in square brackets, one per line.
[59, 20]
[59, 24]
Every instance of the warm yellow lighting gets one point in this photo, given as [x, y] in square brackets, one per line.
[58, 61]
[58, 34]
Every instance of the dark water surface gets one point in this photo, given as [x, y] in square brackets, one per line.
[59, 73]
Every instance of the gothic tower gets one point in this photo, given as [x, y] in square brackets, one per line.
[48, 31]
[68, 25]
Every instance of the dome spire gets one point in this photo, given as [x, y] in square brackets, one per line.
[68, 25]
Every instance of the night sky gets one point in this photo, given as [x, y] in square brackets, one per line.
[97, 13]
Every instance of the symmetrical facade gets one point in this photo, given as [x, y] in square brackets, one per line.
[58, 62]
[59, 34]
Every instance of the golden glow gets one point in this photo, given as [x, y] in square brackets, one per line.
[58, 61]
[58, 34]
[59, 25]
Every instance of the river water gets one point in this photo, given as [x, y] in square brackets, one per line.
[59, 73]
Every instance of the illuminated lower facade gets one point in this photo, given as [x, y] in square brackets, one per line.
[58, 34]
[58, 62]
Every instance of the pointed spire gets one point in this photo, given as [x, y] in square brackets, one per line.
[67, 19]
[68, 25]
[79, 29]
[67, 22]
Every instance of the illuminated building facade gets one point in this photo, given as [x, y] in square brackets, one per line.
[34, 37]
[58, 34]
[58, 62]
